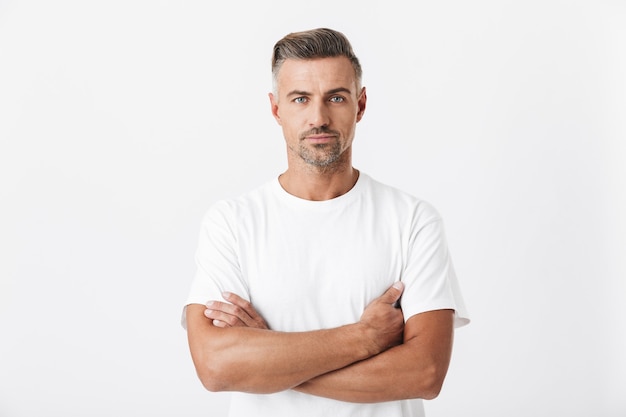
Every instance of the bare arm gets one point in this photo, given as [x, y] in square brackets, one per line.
[414, 369]
[258, 360]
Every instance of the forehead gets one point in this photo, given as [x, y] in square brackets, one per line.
[326, 73]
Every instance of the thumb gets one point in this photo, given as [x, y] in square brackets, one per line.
[394, 292]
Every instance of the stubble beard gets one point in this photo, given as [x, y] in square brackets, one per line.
[323, 156]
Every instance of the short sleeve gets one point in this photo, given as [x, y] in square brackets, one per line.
[429, 276]
[217, 260]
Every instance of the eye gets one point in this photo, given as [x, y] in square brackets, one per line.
[337, 99]
[299, 100]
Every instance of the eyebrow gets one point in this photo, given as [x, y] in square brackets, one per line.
[328, 93]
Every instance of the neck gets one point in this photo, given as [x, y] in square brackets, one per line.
[319, 184]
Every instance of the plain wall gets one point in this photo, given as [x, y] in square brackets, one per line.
[122, 121]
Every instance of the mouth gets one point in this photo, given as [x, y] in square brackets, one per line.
[320, 138]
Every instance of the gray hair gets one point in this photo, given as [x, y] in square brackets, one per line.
[311, 44]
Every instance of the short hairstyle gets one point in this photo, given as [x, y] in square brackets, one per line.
[311, 44]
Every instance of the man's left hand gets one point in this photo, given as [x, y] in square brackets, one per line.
[236, 313]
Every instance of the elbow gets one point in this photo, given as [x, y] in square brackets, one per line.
[213, 378]
[431, 392]
[212, 384]
[212, 370]
[430, 384]
[209, 347]
[216, 378]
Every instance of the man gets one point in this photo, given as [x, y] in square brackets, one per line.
[323, 292]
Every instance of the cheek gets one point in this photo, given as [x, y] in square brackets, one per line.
[291, 123]
[291, 132]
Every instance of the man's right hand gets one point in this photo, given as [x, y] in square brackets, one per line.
[384, 320]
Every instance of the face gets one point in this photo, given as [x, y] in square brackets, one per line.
[318, 106]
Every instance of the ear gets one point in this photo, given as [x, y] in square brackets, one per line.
[361, 105]
[274, 105]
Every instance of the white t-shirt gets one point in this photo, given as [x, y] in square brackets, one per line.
[308, 265]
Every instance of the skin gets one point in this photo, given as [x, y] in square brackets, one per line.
[258, 360]
[380, 358]
[318, 104]
[416, 368]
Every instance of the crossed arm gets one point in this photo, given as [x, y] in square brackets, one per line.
[378, 358]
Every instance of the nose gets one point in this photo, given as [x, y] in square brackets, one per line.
[319, 115]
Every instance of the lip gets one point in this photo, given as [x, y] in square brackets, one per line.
[320, 138]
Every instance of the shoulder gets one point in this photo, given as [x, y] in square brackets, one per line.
[396, 200]
[250, 202]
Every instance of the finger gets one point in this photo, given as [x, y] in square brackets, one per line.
[393, 294]
[242, 303]
[240, 308]
[219, 323]
[253, 318]
[228, 308]
[224, 319]
[237, 300]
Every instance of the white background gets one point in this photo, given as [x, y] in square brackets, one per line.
[122, 121]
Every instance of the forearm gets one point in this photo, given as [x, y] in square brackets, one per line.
[415, 369]
[385, 377]
[270, 361]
